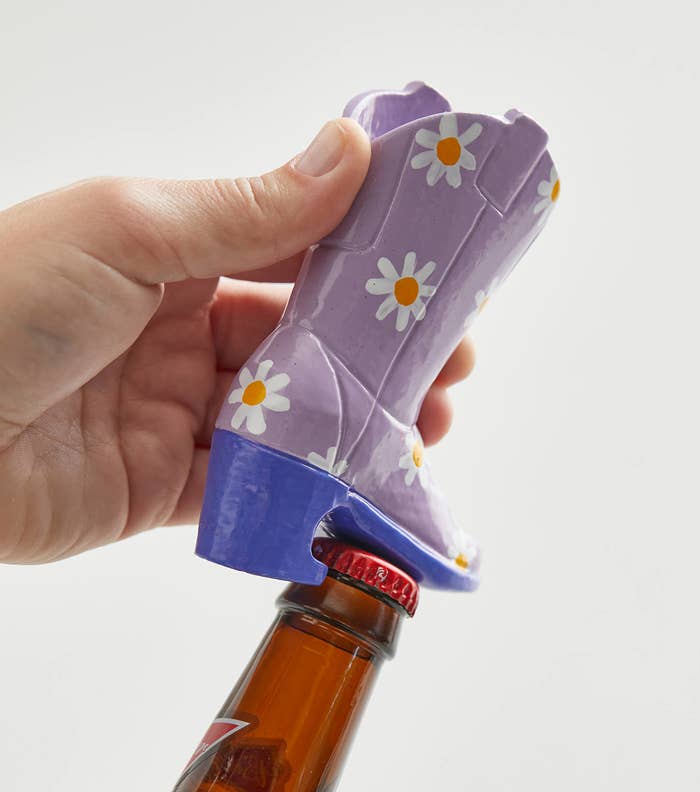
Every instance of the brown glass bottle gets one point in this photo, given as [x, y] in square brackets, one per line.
[289, 721]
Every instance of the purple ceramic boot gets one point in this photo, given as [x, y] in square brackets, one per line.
[318, 433]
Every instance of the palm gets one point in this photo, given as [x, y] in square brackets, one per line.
[121, 454]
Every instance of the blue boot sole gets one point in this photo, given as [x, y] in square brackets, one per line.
[262, 509]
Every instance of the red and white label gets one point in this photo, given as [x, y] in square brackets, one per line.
[219, 730]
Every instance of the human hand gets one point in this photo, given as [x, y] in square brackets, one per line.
[118, 340]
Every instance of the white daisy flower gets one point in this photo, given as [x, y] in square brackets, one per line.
[328, 462]
[549, 190]
[257, 394]
[481, 299]
[447, 151]
[412, 461]
[405, 290]
[464, 552]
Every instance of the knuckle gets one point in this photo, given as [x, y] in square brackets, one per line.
[259, 205]
[132, 208]
[115, 197]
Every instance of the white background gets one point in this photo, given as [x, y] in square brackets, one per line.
[574, 455]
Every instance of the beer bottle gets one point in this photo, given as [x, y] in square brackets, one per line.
[289, 721]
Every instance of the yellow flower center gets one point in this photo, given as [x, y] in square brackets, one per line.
[417, 455]
[449, 150]
[254, 393]
[462, 561]
[555, 191]
[406, 291]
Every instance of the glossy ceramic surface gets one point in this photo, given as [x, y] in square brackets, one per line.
[450, 204]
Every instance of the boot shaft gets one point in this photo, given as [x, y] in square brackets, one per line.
[389, 291]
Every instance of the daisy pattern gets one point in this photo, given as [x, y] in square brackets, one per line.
[256, 395]
[481, 298]
[464, 552]
[405, 290]
[412, 461]
[548, 189]
[328, 462]
[447, 151]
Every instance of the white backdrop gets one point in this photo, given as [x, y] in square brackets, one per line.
[574, 452]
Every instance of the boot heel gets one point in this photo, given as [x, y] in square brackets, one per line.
[261, 510]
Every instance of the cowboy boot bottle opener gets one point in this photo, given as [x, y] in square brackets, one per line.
[318, 435]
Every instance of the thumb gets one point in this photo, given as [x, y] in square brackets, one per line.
[163, 231]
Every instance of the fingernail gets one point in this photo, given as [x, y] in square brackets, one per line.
[324, 152]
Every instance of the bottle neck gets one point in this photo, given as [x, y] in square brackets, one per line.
[302, 695]
[349, 613]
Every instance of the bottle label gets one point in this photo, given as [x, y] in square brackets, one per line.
[219, 730]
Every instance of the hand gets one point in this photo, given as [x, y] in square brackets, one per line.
[118, 340]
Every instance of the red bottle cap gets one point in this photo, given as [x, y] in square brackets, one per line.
[368, 569]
